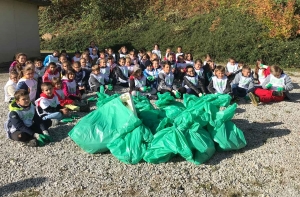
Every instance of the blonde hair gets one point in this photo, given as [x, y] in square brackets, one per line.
[95, 67]
[26, 69]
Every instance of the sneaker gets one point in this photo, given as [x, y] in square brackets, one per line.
[253, 99]
[54, 122]
[276, 93]
[32, 143]
[288, 96]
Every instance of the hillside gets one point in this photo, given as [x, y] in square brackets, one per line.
[244, 29]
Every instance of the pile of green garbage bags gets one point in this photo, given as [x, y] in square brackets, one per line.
[193, 129]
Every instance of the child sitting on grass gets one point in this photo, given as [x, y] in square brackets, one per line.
[219, 83]
[243, 85]
[11, 86]
[275, 86]
[48, 106]
[24, 124]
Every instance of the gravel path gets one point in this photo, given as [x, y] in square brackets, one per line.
[267, 166]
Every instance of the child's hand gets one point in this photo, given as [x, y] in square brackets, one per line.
[280, 89]
[64, 111]
[182, 70]
[151, 78]
[145, 88]
[269, 85]
[81, 88]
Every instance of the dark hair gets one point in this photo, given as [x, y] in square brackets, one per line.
[46, 84]
[166, 63]
[56, 80]
[246, 67]
[63, 51]
[19, 93]
[198, 60]
[189, 66]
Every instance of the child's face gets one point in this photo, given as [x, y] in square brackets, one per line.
[23, 101]
[38, 64]
[168, 51]
[211, 65]
[180, 59]
[220, 74]
[232, 62]
[28, 75]
[188, 57]
[179, 49]
[58, 86]
[77, 55]
[48, 91]
[22, 59]
[122, 62]
[102, 55]
[198, 65]
[65, 66]
[14, 78]
[167, 68]
[102, 63]
[55, 54]
[96, 72]
[62, 59]
[138, 73]
[94, 51]
[155, 64]
[246, 72]
[71, 76]
[171, 58]
[76, 68]
[110, 61]
[52, 68]
[83, 63]
[127, 63]
[109, 51]
[156, 47]
[150, 68]
[190, 71]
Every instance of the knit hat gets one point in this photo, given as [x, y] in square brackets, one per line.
[148, 63]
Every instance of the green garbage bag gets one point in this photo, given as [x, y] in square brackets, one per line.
[104, 98]
[164, 99]
[131, 147]
[142, 103]
[164, 123]
[94, 131]
[227, 136]
[166, 144]
[201, 144]
[151, 118]
[224, 115]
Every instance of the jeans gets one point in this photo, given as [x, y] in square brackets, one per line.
[55, 115]
[237, 91]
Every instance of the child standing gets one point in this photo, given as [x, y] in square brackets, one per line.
[11, 86]
[192, 83]
[51, 58]
[165, 81]
[51, 72]
[23, 122]
[48, 106]
[27, 82]
[275, 86]
[243, 84]
[219, 83]
[157, 51]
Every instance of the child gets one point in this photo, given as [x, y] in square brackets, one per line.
[261, 72]
[157, 51]
[19, 63]
[141, 53]
[101, 56]
[189, 59]
[121, 72]
[129, 65]
[65, 67]
[70, 87]
[243, 84]
[208, 71]
[168, 51]
[231, 68]
[198, 68]
[39, 68]
[123, 52]
[51, 72]
[156, 68]
[23, 122]
[64, 52]
[80, 78]
[27, 82]
[151, 74]
[64, 102]
[275, 86]
[76, 57]
[192, 83]
[139, 83]
[110, 52]
[144, 59]
[51, 58]
[62, 59]
[96, 79]
[11, 86]
[180, 67]
[48, 106]
[91, 47]
[219, 83]
[94, 54]
[165, 81]
[207, 58]
[104, 70]
[84, 66]
[133, 57]
[179, 52]
[171, 59]
[88, 59]
[111, 63]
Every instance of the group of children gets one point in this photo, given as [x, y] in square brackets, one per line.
[41, 93]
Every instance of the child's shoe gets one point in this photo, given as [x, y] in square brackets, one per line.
[253, 98]
[54, 122]
[277, 93]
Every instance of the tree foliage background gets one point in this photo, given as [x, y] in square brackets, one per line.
[245, 29]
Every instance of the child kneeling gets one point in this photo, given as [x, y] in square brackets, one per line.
[24, 124]
[48, 105]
